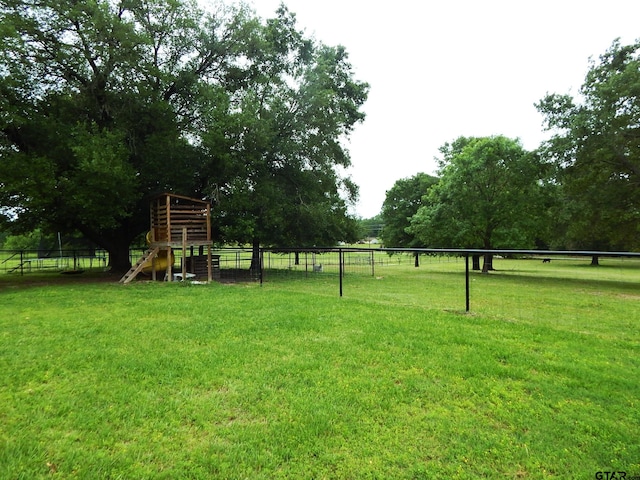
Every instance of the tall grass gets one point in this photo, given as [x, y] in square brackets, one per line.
[287, 380]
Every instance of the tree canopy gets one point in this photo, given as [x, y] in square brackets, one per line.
[596, 148]
[294, 117]
[370, 227]
[401, 202]
[489, 196]
[107, 103]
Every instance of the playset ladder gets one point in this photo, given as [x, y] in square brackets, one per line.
[137, 268]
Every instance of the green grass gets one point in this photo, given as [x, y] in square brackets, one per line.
[288, 380]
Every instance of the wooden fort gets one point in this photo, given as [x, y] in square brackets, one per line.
[177, 223]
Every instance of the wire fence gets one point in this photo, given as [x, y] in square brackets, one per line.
[277, 261]
[336, 267]
[21, 262]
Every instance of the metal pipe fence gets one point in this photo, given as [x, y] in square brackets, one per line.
[334, 265]
[23, 262]
[341, 261]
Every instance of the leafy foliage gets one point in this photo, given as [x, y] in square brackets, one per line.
[370, 227]
[400, 204]
[106, 104]
[489, 196]
[284, 184]
[596, 148]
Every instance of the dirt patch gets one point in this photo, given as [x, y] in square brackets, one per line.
[229, 275]
[627, 296]
[56, 278]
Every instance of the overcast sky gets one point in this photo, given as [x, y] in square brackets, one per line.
[442, 69]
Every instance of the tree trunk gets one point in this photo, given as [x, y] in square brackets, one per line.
[116, 243]
[119, 261]
[255, 257]
[595, 261]
[487, 266]
[476, 262]
[297, 258]
[416, 261]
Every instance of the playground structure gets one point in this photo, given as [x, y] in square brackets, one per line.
[177, 223]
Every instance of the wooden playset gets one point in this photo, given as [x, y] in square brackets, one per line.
[177, 223]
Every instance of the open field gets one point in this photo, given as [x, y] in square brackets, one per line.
[287, 380]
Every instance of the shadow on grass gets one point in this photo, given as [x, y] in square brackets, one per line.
[529, 278]
[13, 280]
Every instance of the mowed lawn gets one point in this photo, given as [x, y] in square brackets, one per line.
[288, 380]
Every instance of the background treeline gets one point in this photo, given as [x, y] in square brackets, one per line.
[579, 191]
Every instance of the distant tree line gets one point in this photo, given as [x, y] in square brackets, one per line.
[579, 191]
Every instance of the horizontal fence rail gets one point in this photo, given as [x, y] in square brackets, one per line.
[66, 260]
[345, 258]
[331, 263]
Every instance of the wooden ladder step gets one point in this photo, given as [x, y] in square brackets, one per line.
[139, 265]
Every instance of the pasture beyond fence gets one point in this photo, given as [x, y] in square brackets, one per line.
[23, 262]
[333, 265]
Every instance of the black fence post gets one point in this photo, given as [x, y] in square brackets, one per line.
[340, 269]
[466, 275]
[21, 262]
[261, 266]
[373, 265]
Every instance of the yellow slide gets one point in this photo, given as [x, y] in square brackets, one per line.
[161, 261]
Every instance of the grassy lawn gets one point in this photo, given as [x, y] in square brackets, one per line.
[287, 380]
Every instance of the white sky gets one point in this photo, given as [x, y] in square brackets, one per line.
[442, 69]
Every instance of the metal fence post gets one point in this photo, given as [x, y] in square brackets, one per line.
[466, 275]
[373, 265]
[261, 267]
[340, 269]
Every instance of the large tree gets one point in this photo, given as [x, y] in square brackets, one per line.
[106, 103]
[402, 202]
[489, 196]
[299, 109]
[596, 148]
